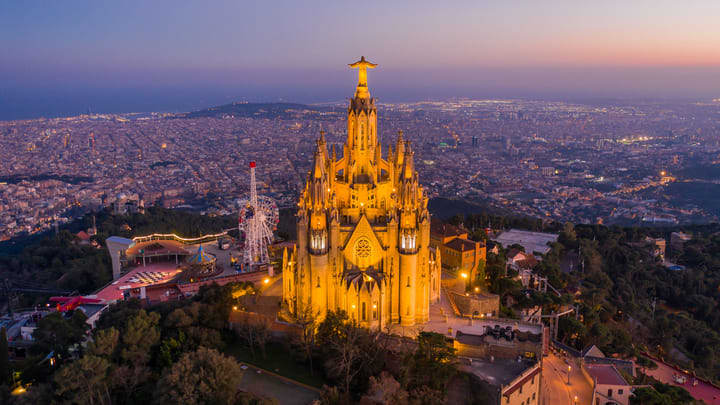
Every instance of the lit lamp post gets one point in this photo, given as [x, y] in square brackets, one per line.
[575, 400]
[465, 277]
[569, 369]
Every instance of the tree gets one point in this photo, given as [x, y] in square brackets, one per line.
[332, 396]
[4, 359]
[307, 321]
[567, 236]
[84, 381]
[255, 332]
[137, 339]
[661, 394]
[385, 389]
[218, 302]
[330, 328]
[571, 331]
[347, 353]
[351, 354]
[183, 317]
[201, 377]
[480, 274]
[432, 364]
[140, 334]
[171, 349]
[425, 395]
[117, 314]
[104, 343]
[58, 334]
[646, 364]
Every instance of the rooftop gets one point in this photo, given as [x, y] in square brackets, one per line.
[605, 374]
[157, 247]
[500, 371]
[461, 245]
[138, 277]
[91, 309]
[439, 228]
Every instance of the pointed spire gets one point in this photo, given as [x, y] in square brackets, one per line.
[408, 168]
[334, 155]
[400, 142]
[318, 167]
[322, 136]
[284, 258]
[399, 149]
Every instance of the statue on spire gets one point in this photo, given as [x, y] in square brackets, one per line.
[362, 87]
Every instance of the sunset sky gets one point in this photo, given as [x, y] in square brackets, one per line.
[182, 54]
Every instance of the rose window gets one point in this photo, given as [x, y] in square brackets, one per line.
[362, 248]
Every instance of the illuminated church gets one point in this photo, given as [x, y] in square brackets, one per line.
[363, 229]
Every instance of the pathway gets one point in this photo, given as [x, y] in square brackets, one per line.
[270, 385]
[703, 391]
[556, 389]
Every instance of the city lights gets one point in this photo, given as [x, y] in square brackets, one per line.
[592, 164]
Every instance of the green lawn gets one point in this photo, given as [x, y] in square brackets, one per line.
[279, 361]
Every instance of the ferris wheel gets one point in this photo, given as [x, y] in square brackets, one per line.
[257, 219]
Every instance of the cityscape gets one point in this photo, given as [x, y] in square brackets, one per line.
[626, 164]
[376, 204]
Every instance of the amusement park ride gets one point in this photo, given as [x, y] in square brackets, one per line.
[257, 220]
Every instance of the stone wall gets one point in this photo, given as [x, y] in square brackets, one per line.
[485, 346]
[476, 305]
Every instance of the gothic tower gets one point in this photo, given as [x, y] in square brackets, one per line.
[363, 229]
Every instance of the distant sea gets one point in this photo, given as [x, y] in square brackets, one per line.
[29, 104]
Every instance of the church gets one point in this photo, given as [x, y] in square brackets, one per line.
[363, 229]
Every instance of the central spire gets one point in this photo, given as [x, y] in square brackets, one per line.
[362, 87]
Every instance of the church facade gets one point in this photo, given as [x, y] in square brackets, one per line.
[363, 229]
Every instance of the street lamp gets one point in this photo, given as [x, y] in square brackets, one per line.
[569, 369]
[575, 400]
[465, 279]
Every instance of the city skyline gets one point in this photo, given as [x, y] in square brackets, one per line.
[502, 203]
[63, 59]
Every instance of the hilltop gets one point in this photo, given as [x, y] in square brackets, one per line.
[262, 110]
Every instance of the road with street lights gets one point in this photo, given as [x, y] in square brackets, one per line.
[556, 388]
